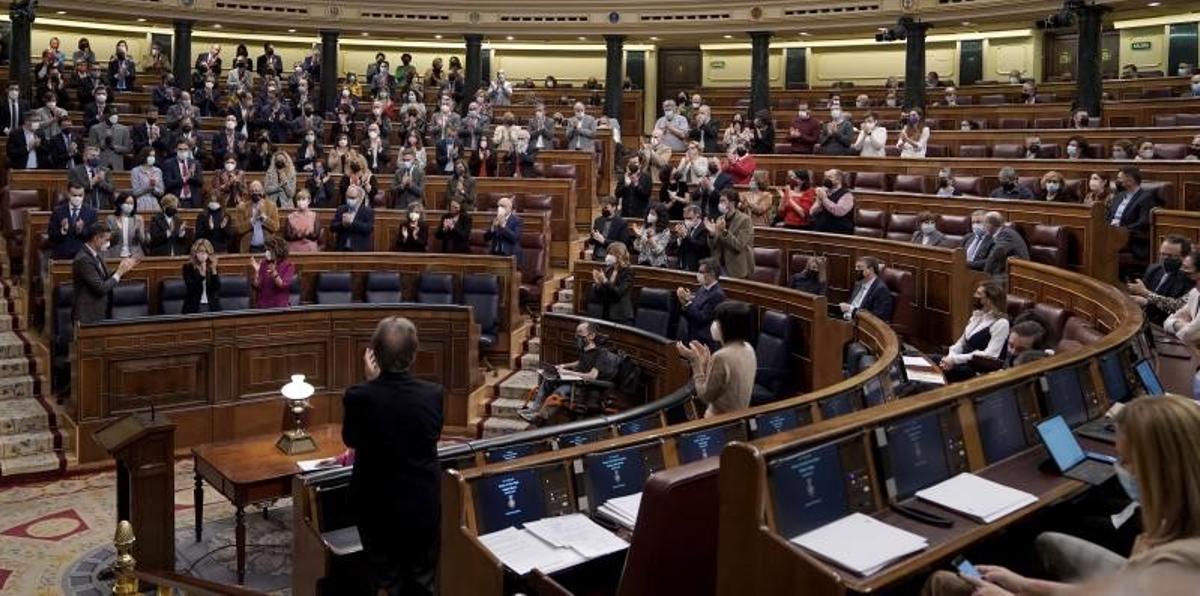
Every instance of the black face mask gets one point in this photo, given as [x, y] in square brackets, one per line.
[828, 184]
[170, 211]
[741, 151]
[1172, 264]
[859, 275]
[977, 303]
[1008, 185]
[581, 342]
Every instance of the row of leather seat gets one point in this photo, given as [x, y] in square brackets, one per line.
[1018, 150]
[978, 186]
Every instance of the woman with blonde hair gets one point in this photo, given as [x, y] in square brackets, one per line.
[1054, 188]
[760, 202]
[301, 229]
[201, 280]
[280, 181]
[1157, 442]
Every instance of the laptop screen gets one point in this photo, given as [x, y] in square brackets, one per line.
[1113, 372]
[1149, 378]
[1064, 395]
[1061, 444]
[1000, 426]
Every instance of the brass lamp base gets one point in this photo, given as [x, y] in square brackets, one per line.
[294, 442]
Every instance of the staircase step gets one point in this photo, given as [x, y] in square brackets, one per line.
[567, 282]
[505, 407]
[530, 361]
[533, 345]
[498, 427]
[14, 367]
[18, 387]
[518, 385]
[31, 464]
[11, 346]
[563, 307]
[21, 416]
[565, 295]
[20, 445]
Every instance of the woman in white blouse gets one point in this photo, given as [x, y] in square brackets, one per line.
[986, 334]
[128, 229]
[914, 135]
[147, 182]
[872, 138]
[692, 165]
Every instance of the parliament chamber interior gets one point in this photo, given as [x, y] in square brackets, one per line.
[370, 298]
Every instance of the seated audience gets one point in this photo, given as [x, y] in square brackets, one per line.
[1099, 190]
[611, 286]
[812, 279]
[455, 229]
[741, 165]
[353, 223]
[945, 184]
[504, 233]
[1005, 242]
[1009, 187]
[674, 127]
[986, 334]
[1130, 209]
[1184, 323]
[1161, 289]
[1156, 442]
[1193, 149]
[1054, 188]
[870, 293]
[168, 232]
[255, 221]
[201, 280]
[1033, 147]
[652, 238]
[689, 240]
[725, 379]
[707, 195]
[25, 148]
[413, 235]
[94, 178]
[833, 205]
[128, 229]
[1123, 150]
[927, 233]
[731, 237]
[595, 363]
[483, 160]
[183, 177]
[229, 185]
[272, 277]
[1077, 148]
[1145, 151]
[302, 229]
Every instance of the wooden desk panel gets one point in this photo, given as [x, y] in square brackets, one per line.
[1166, 221]
[222, 373]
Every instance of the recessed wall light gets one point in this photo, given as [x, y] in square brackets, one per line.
[60, 12]
[365, 34]
[805, 34]
[508, 37]
[1153, 4]
[653, 38]
[438, 36]
[728, 37]
[582, 38]
[291, 30]
[966, 23]
[141, 19]
[216, 25]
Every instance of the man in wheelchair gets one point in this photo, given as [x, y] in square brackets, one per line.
[580, 386]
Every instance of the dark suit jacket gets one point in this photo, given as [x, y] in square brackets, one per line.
[164, 237]
[6, 119]
[878, 300]
[505, 241]
[359, 235]
[710, 138]
[58, 150]
[141, 138]
[527, 161]
[618, 231]
[458, 238]
[18, 151]
[635, 198]
[196, 285]
[981, 254]
[67, 245]
[612, 302]
[1175, 286]
[417, 242]
[393, 424]
[442, 152]
[700, 312]
[220, 150]
[274, 62]
[1136, 219]
[1006, 242]
[691, 249]
[173, 181]
[93, 286]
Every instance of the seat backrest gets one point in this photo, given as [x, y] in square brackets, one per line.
[1049, 245]
[674, 547]
[900, 283]
[871, 181]
[534, 258]
[64, 301]
[992, 99]
[1078, 333]
[1012, 123]
[334, 287]
[1049, 123]
[1033, 183]
[1055, 317]
[171, 293]
[1165, 120]
[1049, 151]
[1015, 305]
[954, 227]
[768, 265]
[870, 222]
[655, 311]
[535, 202]
[481, 291]
[973, 151]
[295, 291]
[435, 288]
[486, 201]
[383, 287]
[1008, 150]
[478, 242]
[560, 170]
[1156, 93]
[901, 226]
[1187, 119]
[1171, 150]
[129, 299]
[235, 292]
[936, 150]
[1164, 193]
[17, 203]
[910, 183]
[773, 351]
[971, 186]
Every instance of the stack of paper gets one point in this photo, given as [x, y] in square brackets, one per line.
[860, 543]
[978, 498]
[622, 510]
[551, 544]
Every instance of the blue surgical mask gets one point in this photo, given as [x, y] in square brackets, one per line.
[978, 229]
[1128, 482]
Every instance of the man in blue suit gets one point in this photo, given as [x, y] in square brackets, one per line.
[1130, 209]
[700, 306]
[504, 235]
[70, 222]
[354, 223]
[870, 293]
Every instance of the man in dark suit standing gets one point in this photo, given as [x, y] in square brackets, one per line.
[1130, 209]
[689, 240]
[1006, 242]
[978, 243]
[393, 422]
[63, 150]
[90, 277]
[269, 62]
[504, 235]
[354, 223]
[608, 228]
[25, 149]
[70, 222]
[1161, 289]
[14, 109]
[700, 306]
[870, 293]
[149, 134]
[633, 190]
[183, 177]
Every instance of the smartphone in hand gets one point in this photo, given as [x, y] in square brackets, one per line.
[965, 568]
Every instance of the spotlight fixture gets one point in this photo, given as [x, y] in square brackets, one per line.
[897, 32]
[1065, 17]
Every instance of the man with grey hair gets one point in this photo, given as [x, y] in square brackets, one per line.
[393, 421]
[581, 130]
[1009, 188]
[1006, 242]
[674, 127]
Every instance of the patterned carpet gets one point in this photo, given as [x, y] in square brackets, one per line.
[30, 443]
[56, 537]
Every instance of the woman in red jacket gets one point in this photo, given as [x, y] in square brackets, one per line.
[797, 201]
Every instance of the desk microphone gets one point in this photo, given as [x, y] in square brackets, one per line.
[147, 401]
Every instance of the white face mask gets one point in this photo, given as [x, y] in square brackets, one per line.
[501, 211]
[112, 119]
[414, 216]
[181, 155]
[107, 244]
[99, 98]
[723, 208]
[213, 205]
[342, 142]
[374, 134]
[928, 228]
[978, 229]
[268, 256]
[651, 219]
[13, 94]
[1052, 187]
[610, 260]
[230, 124]
[303, 204]
[835, 115]
[126, 208]
[1146, 154]
[1072, 150]
[51, 105]
[715, 330]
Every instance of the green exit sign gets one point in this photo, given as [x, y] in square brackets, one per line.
[1140, 45]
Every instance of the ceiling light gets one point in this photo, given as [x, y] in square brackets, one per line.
[438, 36]
[291, 30]
[216, 25]
[653, 38]
[508, 37]
[728, 37]
[60, 12]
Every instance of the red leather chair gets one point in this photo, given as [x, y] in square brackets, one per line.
[1017, 305]
[1078, 333]
[560, 170]
[910, 183]
[891, 151]
[872, 181]
[1165, 120]
[16, 206]
[1049, 123]
[1187, 119]
[478, 243]
[870, 222]
[1033, 183]
[932, 150]
[992, 100]
[901, 226]
[1054, 316]
[1171, 150]
[535, 261]
[900, 283]
[1049, 151]
[534, 202]
[973, 151]
[955, 228]
[486, 201]
[1008, 150]
[768, 265]
[1050, 245]
[1164, 193]
[1013, 123]
[971, 186]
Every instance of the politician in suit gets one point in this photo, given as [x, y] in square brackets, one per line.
[408, 184]
[700, 306]
[70, 222]
[870, 293]
[94, 179]
[182, 177]
[978, 243]
[610, 227]
[354, 223]
[268, 62]
[581, 130]
[393, 422]
[731, 237]
[1161, 289]
[91, 279]
[1006, 242]
[14, 110]
[25, 148]
[114, 141]
[689, 240]
[1130, 209]
[504, 235]
[64, 150]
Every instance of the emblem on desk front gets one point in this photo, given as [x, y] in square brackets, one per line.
[617, 476]
[809, 488]
[512, 503]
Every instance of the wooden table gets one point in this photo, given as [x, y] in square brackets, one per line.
[250, 470]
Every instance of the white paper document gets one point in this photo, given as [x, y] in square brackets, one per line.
[308, 465]
[860, 543]
[622, 510]
[917, 361]
[522, 552]
[922, 376]
[978, 498]
[577, 532]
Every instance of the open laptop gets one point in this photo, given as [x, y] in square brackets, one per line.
[1149, 378]
[1069, 456]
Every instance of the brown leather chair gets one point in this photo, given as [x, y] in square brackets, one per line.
[1017, 305]
[486, 201]
[891, 151]
[1049, 123]
[870, 222]
[535, 261]
[932, 150]
[1033, 183]
[1078, 333]
[16, 207]
[1008, 150]
[1157, 93]
[1055, 317]
[1012, 123]
[559, 170]
[955, 228]
[674, 547]
[992, 100]
[534, 202]
[1076, 185]
[910, 183]
[872, 181]
[797, 264]
[768, 265]
[1164, 193]
[478, 242]
[1165, 120]
[971, 186]
[973, 151]
[900, 283]
[901, 226]
[1171, 150]
[1050, 245]
[1187, 119]
[1049, 151]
